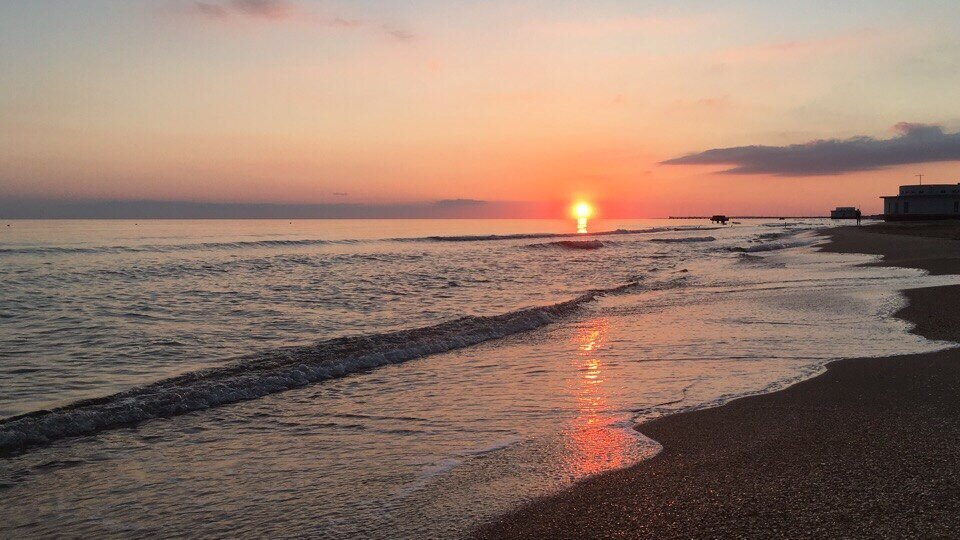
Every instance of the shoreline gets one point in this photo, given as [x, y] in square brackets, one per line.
[863, 449]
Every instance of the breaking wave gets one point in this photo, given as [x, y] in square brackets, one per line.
[169, 248]
[689, 239]
[279, 370]
[760, 260]
[769, 246]
[535, 236]
[570, 244]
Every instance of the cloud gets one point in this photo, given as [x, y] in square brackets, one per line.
[210, 11]
[799, 49]
[915, 143]
[269, 9]
[279, 11]
[398, 33]
[16, 208]
[460, 202]
[342, 22]
[707, 105]
[263, 9]
[593, 28]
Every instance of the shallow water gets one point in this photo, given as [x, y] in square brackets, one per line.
[90, 308]
[433, 446]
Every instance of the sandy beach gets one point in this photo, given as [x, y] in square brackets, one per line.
[868, 449]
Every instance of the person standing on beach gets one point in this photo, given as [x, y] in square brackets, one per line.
[858, 216]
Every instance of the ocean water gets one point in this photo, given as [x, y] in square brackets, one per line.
[388, 379]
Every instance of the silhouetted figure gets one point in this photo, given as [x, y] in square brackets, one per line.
[858, 216]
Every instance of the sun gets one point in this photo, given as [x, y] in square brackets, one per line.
[582, 210]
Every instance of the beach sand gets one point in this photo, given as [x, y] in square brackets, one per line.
[868, 449]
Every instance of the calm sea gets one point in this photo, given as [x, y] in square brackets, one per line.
[387, 379]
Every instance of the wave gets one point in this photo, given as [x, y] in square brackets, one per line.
[786, 225]
[203, 246]
[748, 258]
[769, 246]
[570, 244]
[775, 235]
[276, 371]
[166, 248]
[535, 236]
[689, 239]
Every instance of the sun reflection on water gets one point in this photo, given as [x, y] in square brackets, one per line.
[595, 443]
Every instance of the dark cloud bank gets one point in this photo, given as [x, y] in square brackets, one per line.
[915, 143]
[111, 209]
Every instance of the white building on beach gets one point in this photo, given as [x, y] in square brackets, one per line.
[915, 202]
[843, 212]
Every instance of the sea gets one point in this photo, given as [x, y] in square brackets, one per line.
[390, 378]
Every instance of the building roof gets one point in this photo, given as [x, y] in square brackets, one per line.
[928, 186]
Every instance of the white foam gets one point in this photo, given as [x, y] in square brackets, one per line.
[277, 371]
[688, 239]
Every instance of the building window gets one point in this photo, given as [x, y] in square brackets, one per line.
[906, 207]
[956, 206]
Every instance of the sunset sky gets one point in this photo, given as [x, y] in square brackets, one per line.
[524, 105]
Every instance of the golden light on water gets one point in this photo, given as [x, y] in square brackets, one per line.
[594, 440]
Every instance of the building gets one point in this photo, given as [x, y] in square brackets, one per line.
[933, 201]
[843, 212]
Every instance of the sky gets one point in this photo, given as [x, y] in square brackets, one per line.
[500, 108]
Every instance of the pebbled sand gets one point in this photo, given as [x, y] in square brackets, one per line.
[869, 449]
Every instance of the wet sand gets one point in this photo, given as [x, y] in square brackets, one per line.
[868, 449]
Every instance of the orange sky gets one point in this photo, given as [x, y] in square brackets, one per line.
[366, 102]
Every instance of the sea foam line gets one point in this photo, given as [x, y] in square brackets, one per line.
[536, 236]
[166, 248]
[277, 371]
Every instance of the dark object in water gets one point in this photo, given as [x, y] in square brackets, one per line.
[720, 218]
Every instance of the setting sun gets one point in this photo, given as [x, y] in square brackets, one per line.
[582, 210]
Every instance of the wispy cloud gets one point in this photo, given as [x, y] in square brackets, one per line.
[799, 49]
[280, 11]
[460, 202]
[269, 9]
[623, 25]
[914, 143]
[211, 11]
[706, 105]
[264, 9]
[398, 33]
